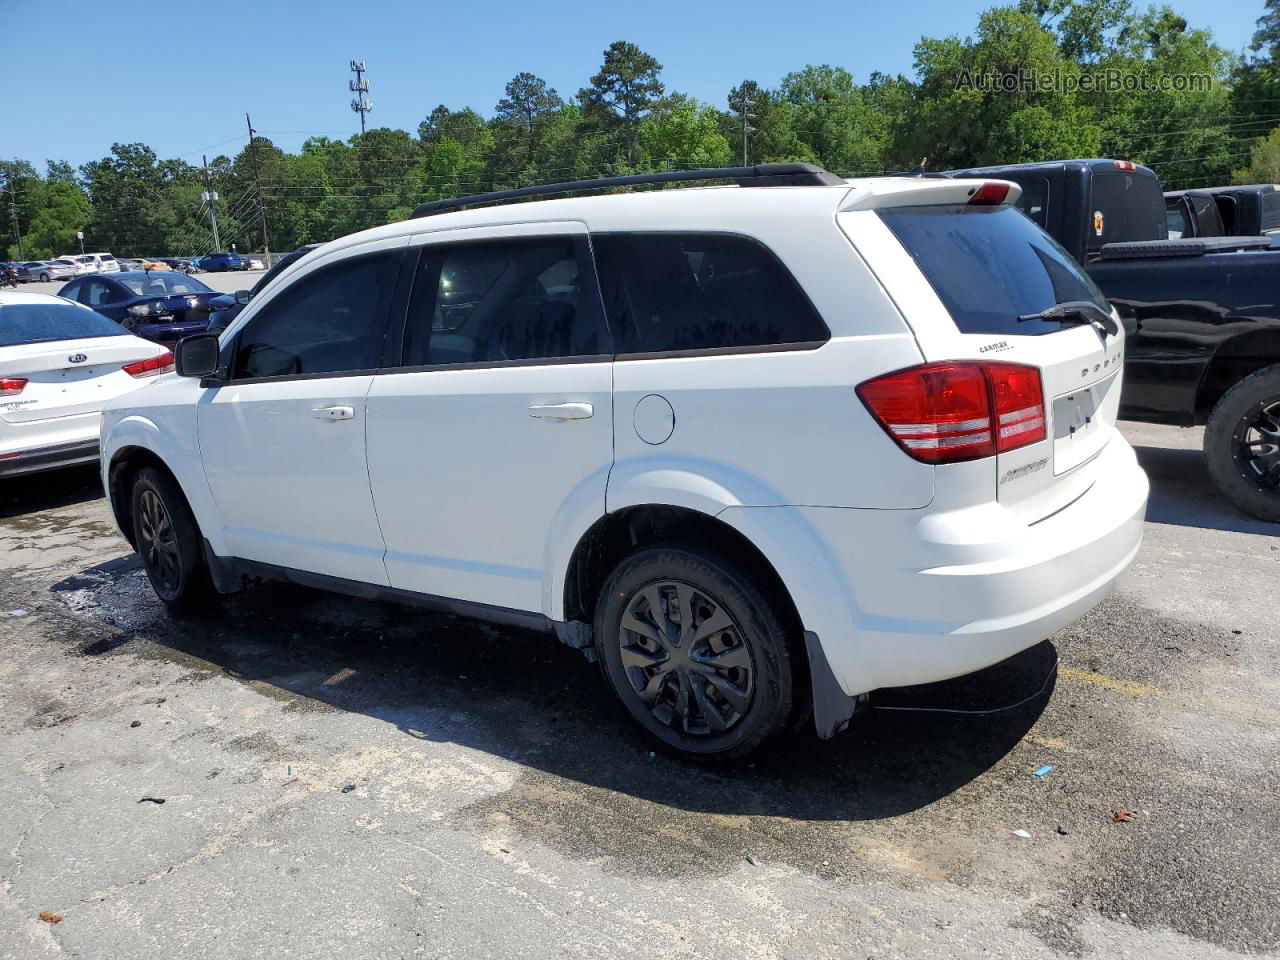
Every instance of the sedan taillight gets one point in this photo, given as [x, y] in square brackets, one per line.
[12, 386]
[958, 410]
[150, 367]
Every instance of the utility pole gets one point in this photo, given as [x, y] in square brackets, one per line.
[747, 115]
[257, 182]
[209, 196]
[360, 86]
[13, 214]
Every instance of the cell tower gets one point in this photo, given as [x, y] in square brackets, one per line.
[360, 86]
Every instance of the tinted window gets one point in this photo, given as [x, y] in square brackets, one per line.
[98, 293]
[164, 285]
[669, 292]
[330, 321]
[1270, 212]
[990, 265]
[42, 322]
[1132, 208]
[72, 290]
[504, 300]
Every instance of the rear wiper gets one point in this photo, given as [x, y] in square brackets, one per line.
[1076, 311]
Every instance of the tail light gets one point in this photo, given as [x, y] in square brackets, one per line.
[958, 410]
[12, 386]
[150, 367]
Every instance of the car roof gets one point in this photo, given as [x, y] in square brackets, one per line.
[9, 297]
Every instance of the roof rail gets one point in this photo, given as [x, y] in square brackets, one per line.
[760, 175]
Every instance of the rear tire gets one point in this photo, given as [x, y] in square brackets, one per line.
[169, 542]
[696, 651]
[44, 277]
[1242, 444]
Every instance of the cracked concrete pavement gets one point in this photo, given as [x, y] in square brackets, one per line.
[340, 776]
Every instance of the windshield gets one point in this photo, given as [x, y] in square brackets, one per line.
[164, 285]
[22, 323]
[990, 265]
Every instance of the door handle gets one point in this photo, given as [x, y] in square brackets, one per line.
[561, 411]
[335, 412]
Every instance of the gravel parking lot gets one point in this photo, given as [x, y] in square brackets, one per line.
[311, 775]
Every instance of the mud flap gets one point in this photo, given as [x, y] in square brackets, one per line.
[833, 709]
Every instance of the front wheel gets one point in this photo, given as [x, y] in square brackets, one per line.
[44, 277]
[1242, 444]
[697, 651]
[168, 540]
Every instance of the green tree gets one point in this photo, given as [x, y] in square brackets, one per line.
[1264, 161]
[623, 92]
[688, 135]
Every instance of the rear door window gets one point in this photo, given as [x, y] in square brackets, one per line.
[991, 265]
[500, 301]
[681, 292]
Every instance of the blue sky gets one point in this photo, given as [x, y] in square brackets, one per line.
[180, 76]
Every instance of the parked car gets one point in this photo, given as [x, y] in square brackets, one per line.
[84, 263]
[59, 363]
[793, 445]
[46, 270]
[220, 262]
[157, 306]
[129, 265]
[1202, 314]
[229, 305]
[152, 263]
[22, 271]
[254, 263]
[179, 264]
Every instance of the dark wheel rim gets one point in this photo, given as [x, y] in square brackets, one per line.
[685, 658]
[158, 544]
[1256, 446]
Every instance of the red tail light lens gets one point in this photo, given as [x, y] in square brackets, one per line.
[151, 366]
[12, 386]
[958, 410]
[989, 195]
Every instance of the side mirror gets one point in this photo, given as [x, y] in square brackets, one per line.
[242, 297]
[196, 356]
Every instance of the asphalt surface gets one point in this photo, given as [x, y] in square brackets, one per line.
[228, 282]
[314, 776]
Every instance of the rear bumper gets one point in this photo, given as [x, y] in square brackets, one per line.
[900, 597]
[48, 458]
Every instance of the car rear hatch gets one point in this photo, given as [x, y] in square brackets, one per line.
[993, 279]
[66, 378]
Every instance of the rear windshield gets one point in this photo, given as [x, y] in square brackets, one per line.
[1270, 212]
[164, 285]
[1126, 207]
[991, 265]
[44, 322]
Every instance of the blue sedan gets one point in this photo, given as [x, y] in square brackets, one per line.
[159, 306]
[218, 262]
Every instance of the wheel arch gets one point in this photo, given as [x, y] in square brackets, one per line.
[1233, 360]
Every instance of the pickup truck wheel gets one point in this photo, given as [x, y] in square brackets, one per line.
[695, 651]
[169, 543]
[1242, 444]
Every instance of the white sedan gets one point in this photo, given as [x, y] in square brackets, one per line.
[60, 362]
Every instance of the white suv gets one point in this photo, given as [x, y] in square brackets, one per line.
[759, 449]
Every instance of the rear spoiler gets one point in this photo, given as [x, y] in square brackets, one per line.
[1189, 247]
[922, 191]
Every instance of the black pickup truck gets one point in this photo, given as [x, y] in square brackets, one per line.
[1202, 315]
[1243, 211]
